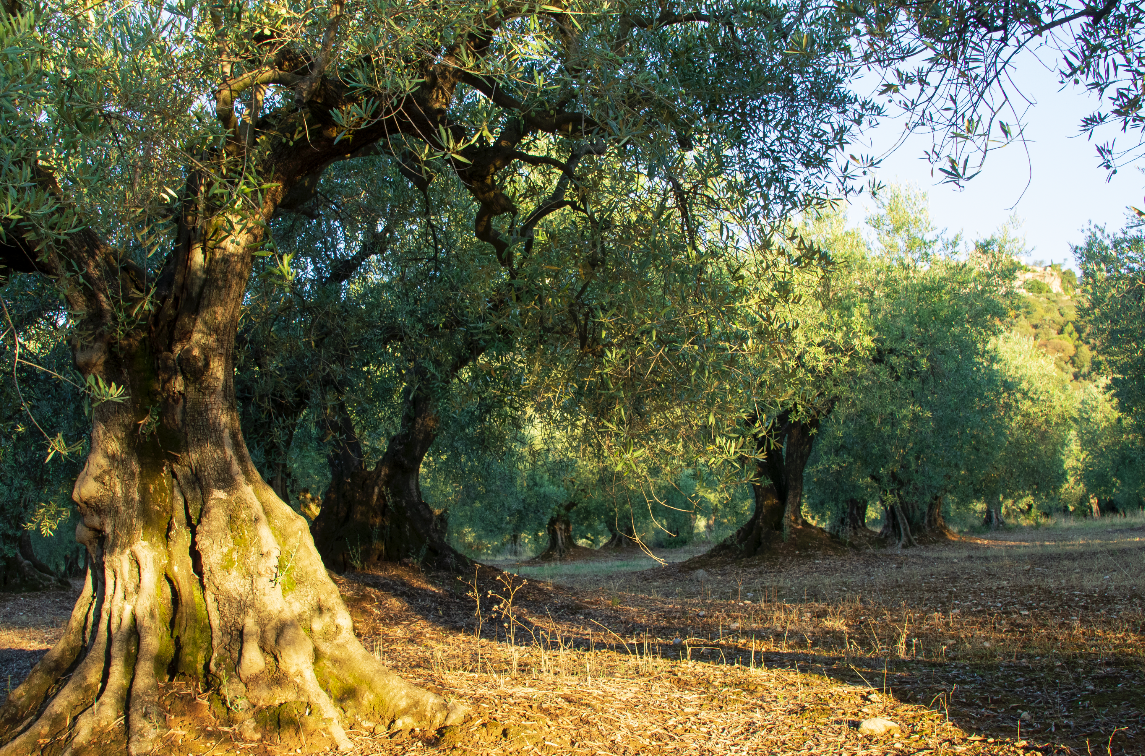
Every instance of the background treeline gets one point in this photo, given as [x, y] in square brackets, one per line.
[890, 380]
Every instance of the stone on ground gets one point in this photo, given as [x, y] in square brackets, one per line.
[878, 726]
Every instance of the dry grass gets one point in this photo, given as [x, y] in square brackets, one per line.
[960, 643]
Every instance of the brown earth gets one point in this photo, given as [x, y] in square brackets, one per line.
[959, 643]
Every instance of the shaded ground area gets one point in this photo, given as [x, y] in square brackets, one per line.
[960, 644]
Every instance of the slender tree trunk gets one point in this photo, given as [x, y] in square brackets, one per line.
[282, 480]
[800, 441]
[196, 568]
[375, 515]
[1109, 507]
[851, 521]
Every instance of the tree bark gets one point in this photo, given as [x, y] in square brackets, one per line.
[29, 554]
[851, 522]
[800, 440]
[283, 479]
[271, 418]
[766, 523]
[375, 515]
[784, 449]
[196, 568]
[1107, 507]
[18, 575]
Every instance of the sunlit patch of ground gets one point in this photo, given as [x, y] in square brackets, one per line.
[960, 643]
[30, 623]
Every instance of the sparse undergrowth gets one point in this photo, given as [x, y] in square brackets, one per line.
[960, 644]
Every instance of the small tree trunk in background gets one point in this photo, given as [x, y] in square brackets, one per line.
[935, 521]
[896, 526]
[19, 574]
[26, 551]
[621, 534]
[769, 490]
[559, 530]
[376, 515]
[993, 518]
[766, 521]
[1108, 507]
[281, 482]
[851, 521]
[784, 448]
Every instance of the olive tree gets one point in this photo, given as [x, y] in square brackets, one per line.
[148, 149]
[1113, 283]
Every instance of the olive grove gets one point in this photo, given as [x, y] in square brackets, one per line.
[375, 218]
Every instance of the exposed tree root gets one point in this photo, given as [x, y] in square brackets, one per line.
[17, 574]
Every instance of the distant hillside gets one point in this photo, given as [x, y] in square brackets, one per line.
[1047, 313]
[1046, 279]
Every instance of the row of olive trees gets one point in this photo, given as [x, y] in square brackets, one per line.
[905, 396]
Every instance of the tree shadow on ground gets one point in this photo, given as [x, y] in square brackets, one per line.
[1013, 640]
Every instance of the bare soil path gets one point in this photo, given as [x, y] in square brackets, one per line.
[959, 643]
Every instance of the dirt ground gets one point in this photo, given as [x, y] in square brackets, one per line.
[1026, 641]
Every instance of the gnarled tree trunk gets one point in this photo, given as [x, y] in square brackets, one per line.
[765, 525]
[196, 568]
[374, 515]
[784, 449]
[24, 572]
[896, 525]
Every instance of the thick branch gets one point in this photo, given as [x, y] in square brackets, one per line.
[630, 22]
[568, 124]
[377, 244]
[1095, 15]
[226, 95]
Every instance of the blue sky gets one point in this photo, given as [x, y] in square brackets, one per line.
[1066, 187]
